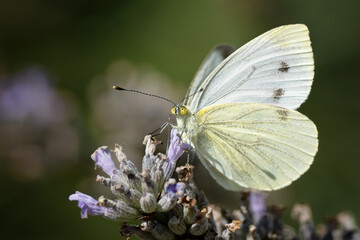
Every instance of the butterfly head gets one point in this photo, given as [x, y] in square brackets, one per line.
[179, 110]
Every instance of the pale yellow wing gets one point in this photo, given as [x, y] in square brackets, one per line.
[212, 60]
[254, 145]
[275, 68]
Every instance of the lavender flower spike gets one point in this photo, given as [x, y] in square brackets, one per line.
[257, 205]
[176, 148]
[102, 158]
[87, 204]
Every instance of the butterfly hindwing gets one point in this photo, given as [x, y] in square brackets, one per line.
[254, 145]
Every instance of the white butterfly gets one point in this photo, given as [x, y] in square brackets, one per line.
[238, 112]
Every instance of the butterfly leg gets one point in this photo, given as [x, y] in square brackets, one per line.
[160, 129]
[190, 151]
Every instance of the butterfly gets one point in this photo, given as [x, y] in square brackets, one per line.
[239, 112]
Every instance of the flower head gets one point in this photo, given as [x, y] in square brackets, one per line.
[136, 192]
[148, 194]
[29, 94]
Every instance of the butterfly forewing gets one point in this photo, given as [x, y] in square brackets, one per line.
[276, 68]
[254, 145]
[214, 58]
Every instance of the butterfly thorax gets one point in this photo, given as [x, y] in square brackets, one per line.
[185, 123]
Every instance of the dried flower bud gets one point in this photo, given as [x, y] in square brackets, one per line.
[119, 153]
[218, 218]
[103, 180]
[225, 235]
[185, 173]
[253, 235]
[234, 225]
[301, 212]
[288, 232]
[104, 202]
[150, 143]
[347, 221]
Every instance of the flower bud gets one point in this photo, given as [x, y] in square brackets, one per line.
[148, 162]
[190, 213]
[130, 174]
[148, 203]
[120, 155]
[147, 184]
[158, 178]
[150, 145]
[130, 195]
[126, 212]
[177, 211]
[127, 231]
[166, 203]
[177, 225]
[106, 181]
[160, 231]
[200, 227]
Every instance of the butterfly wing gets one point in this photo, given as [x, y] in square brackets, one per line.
[254, 145]
[276, 68]
[214, 58]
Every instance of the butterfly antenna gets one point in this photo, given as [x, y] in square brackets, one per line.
[200, 90]
[144, 93]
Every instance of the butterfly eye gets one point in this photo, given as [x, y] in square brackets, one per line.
[183, 111]
[173, 110]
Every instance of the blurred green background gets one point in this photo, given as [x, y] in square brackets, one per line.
[59, 59]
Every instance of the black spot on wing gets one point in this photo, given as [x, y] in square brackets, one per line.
[283, 114]
[225, 50]
[284, 67]
[269, 174]
[278, 93]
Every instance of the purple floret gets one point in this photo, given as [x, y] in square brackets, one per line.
[257, 205]
[102, 158]
[87, 204]
[175, 148]
[175, 190]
